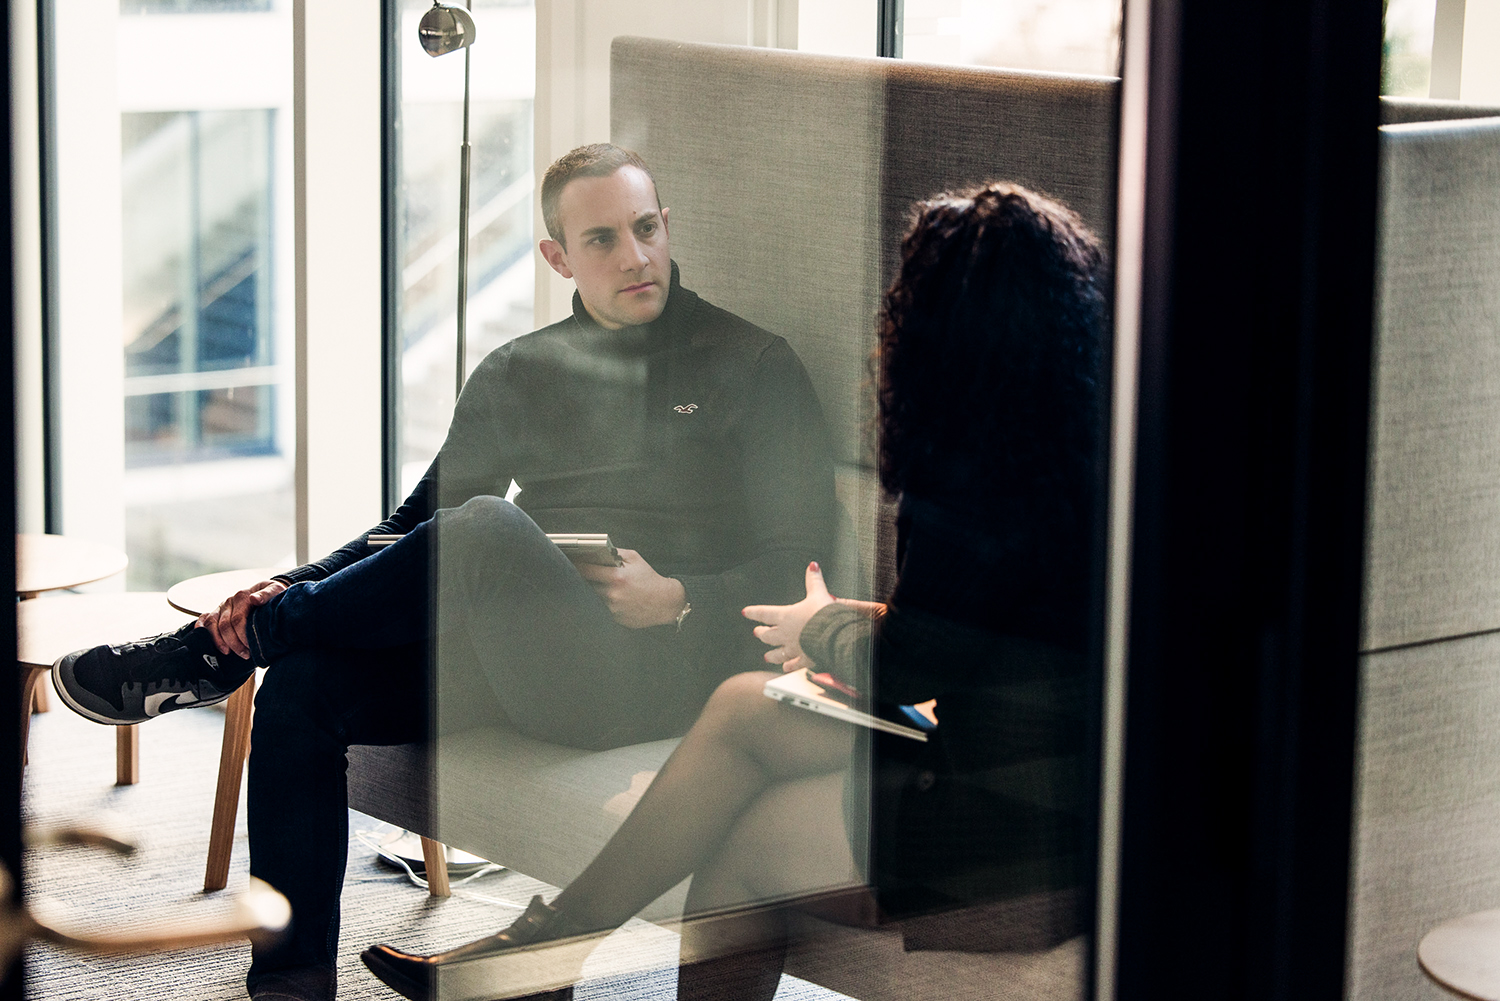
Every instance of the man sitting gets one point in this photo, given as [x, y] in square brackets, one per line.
[687, 434]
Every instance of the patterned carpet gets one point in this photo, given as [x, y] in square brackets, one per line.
[71, 778]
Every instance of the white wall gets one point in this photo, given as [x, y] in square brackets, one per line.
[837, 27]
[1481, 65]
[91, 356]
[336, 129]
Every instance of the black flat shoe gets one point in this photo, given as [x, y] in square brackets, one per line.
[529, 954]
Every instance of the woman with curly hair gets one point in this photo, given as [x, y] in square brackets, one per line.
[990, 408]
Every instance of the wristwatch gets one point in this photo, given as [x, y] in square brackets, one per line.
[687, 606]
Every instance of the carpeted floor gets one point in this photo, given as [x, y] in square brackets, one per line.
[71, 778]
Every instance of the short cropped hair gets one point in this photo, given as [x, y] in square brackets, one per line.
[593, 160]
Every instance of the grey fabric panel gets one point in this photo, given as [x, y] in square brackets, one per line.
[539, 808]
[772, 178]
[391, 783]
[947, 127]
[1403, 110]
[1433, 545]
[1427, 830]
[790, 177]
[864, 570]
[872, 964]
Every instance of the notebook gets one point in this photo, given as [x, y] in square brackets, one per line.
[580, 548]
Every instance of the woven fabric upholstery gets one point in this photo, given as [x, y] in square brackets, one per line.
[1404, 110]
[1434, 524]
[790, 178]
[1428, 800]
[1427, 829]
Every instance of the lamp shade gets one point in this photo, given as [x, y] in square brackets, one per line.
[445, 29]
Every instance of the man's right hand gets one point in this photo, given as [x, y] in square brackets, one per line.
[229, 623]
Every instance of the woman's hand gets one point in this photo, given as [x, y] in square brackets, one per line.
[782, 628]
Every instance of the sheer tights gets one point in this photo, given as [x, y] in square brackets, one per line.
[751, 805]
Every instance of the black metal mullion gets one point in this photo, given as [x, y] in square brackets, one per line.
[390, 263]
[51, 307]
[890, 15]
[1257, 324]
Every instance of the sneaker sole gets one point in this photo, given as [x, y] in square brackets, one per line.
[63, 683]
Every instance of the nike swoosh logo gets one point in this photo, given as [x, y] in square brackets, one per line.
[179, 700]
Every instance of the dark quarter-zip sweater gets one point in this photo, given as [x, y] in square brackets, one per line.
[696, 439]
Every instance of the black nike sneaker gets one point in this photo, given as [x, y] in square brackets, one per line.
[134, 682]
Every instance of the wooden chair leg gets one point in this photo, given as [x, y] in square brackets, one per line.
[29, 677]
[236, 747]
[40, 701]
[436, 860]
[127, 755]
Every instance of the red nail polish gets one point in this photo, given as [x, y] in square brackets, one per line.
[814, 565]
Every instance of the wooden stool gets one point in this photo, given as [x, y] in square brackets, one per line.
[196, 596]
[47, 628]
[54, 562]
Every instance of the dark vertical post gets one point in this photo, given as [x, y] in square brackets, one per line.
[51, 378]
[888, 29]
[13, 987]
[1256, 330]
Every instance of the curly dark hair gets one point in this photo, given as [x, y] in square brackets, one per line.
[990, 352]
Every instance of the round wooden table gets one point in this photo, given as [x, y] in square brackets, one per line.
[53, 562]
[49, 627]
[197, 595]
[1463, 955]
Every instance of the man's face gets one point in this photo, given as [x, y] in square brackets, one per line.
[616, 250]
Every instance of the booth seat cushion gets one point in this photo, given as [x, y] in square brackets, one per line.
[541, 809]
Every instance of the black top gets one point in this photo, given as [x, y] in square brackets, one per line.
[997, 806]
[696, 439]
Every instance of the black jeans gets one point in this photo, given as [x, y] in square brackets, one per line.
[350, 665]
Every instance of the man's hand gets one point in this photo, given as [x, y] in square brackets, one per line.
[636, 595]
[782, 629]
[228, 624]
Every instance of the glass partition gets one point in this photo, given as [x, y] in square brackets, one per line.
[692, 414]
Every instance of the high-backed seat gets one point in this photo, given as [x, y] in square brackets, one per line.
[790, 178]
[1428, 803]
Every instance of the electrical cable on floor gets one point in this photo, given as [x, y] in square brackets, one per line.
[366, 838]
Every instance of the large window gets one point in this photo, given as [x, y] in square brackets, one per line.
[1074, 36]
[172, 318]
[199, 350]
[501, 250]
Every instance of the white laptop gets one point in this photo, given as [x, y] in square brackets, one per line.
[797, 689]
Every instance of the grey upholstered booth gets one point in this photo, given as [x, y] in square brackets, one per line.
[789, 178]
[1427, 831]
[793, 173]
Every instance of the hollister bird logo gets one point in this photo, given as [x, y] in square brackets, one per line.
[687, 409]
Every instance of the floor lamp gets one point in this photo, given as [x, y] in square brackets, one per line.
[442, 30]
